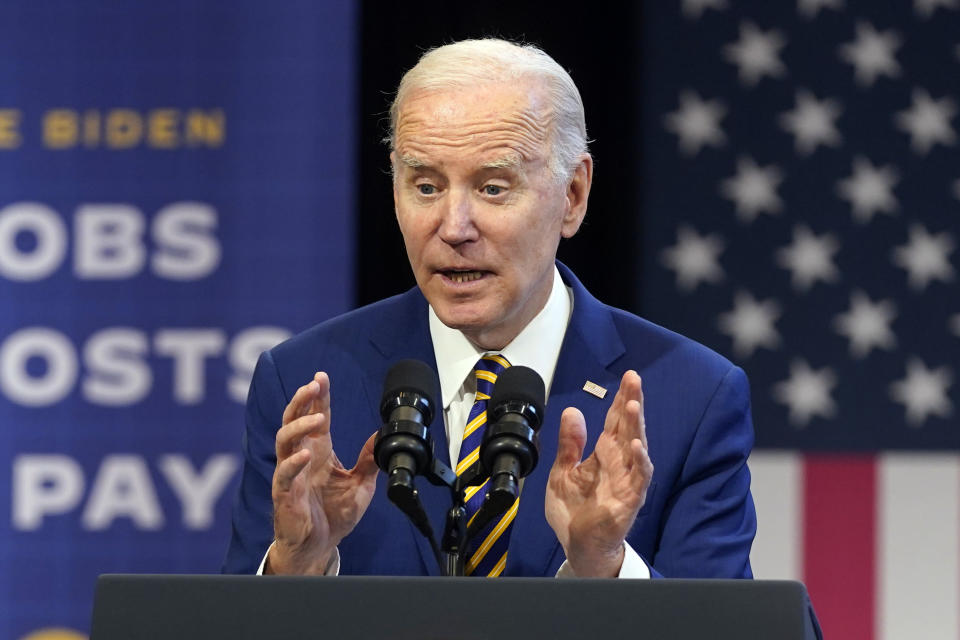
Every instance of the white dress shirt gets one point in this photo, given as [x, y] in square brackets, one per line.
[537, 347]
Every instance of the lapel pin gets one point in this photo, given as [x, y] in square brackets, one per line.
[594, 389]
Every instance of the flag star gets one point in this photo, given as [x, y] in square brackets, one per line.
[923, 392]
[925, 8]
[812, 122]
[809, 258]
[694, 258]
[693, 9]
[697, 123]
[924, 257]
[867, 324]
[756, 53]
[751, 324]
[928, 121]
[872, 54]
[869, 189]
[753, 189]
[807, 393]
[810, 8]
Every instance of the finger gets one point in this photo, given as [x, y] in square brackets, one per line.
[630, 383]
[623, 436]
[641, 471]
[625, 392]
[289, 469]
[290, 435]
[623, 422]
[321, 401]
[613, 413]
[642, 425]
[572, 439]
[630, 422]
[366, 464]
[300, 402]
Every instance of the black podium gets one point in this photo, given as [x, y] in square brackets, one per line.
[148, 607]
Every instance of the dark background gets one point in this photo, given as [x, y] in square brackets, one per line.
[392, 38]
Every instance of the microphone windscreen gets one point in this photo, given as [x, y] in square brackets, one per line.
[519, 384]
[411, 376]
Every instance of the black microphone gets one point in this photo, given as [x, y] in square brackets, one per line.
[403, 447]
[510, 447]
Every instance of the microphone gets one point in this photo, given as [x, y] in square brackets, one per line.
[403, 446]
[510, 447]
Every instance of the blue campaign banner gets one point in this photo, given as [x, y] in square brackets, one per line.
[176, 195]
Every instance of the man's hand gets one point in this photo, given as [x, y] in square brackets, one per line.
[591, 505]
[316, 501]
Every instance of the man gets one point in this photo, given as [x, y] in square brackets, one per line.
[490, 171]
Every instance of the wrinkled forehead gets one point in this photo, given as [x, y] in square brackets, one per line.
[498, 119]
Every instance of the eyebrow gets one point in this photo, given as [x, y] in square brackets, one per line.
[508, 161]
[411, 161]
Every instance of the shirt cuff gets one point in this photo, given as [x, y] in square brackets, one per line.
[633, 566]
[333, 569]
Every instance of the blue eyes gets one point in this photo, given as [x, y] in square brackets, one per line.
[492, 190]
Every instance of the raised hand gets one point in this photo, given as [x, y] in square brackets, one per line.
[316, 501]
[591, 505]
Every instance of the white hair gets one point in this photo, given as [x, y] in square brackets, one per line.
[471, 62]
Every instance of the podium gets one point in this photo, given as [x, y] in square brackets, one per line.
[207, 607]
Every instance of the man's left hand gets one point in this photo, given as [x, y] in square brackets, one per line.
[592, 504]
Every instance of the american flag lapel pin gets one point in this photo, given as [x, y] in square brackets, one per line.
[594, 389]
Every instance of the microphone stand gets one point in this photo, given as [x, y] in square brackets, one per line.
[457, 531]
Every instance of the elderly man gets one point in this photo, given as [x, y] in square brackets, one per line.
[490, 171]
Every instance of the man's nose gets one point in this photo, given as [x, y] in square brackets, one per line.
[457, 224]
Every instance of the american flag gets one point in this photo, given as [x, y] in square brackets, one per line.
[800, 187]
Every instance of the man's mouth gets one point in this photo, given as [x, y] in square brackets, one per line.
[461, 276]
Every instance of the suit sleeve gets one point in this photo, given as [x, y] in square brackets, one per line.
[253, 507]
[710, 520]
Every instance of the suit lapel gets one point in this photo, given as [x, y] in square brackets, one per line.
[590, 346]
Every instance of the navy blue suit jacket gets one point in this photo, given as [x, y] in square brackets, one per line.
[698, 519]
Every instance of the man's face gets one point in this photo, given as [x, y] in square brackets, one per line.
[480, 211]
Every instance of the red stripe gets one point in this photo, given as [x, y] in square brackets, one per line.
[839, 548]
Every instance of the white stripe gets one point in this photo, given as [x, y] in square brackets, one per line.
[777, 492]
[917, 546]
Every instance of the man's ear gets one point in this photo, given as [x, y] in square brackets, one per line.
[578, 191]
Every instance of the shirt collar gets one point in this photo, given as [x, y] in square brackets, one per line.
[537, 346]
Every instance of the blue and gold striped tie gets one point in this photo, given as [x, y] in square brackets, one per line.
[487, 552]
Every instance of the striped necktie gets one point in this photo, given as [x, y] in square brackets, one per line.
[487, 552]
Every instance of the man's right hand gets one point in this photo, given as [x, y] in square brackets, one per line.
[316, 501]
